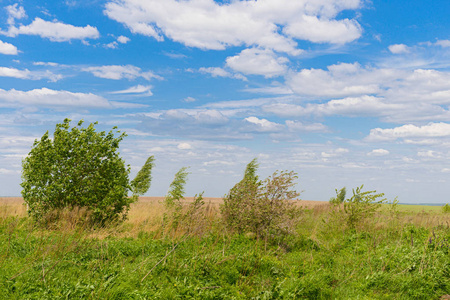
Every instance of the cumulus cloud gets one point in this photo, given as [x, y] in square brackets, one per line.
[48, 98]
[256, 61]
[398, 49]
[115, 44]
[7, 48]
[123, 39]
[15, 12]
[54, 31]
[395, 95]
[117, 72]
[431, 130]
[210, 25]
[323, 30]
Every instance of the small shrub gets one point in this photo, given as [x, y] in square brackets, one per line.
[178, 215]
[355, 210]
[446, 208]
[362, 205]
[340, 196]
[261, 207]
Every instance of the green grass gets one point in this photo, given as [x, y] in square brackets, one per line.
[419, 208]
[401, 255]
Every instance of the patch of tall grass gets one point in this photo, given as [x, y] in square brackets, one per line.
[393, 254]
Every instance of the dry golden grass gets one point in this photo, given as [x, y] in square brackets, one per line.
[12, 206]
[146, 215]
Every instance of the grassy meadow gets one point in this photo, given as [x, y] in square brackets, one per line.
[400, 252]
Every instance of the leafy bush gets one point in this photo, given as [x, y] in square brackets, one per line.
[176, 213]
[355, 210]
[79, 167]
[362, 205]
[340, 196]
[446, 208]
[261, 207]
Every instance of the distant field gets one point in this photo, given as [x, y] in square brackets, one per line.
[214, 201]
[420, 208]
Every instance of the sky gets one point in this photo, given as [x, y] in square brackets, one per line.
[343, 92]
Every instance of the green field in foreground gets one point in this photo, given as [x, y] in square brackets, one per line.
[400, 254]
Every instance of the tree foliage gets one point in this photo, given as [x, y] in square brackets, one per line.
[262, 207]
[340, 196]
[141, 183]
[79, 167]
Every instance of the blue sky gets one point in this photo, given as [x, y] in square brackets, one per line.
[344, 92]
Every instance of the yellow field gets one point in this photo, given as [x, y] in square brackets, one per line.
[146, 214]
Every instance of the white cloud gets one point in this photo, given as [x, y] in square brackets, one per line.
[219, 72]
[45, 97]
[27, 74]
[256, 61]
[443, 43]
[12, 72]
[334, 153]
[54, 31]
[189, 99]
[263, 125]
[378, 152]
[15, 12]
[394, 95]
[115, 44]
[117, 72]
[351, 106]
[138, 89]
[399, 49]
[410, 131]
[205, 124]
[275, 89]
[428, 154]
[207, 24]
[7, 48]
[51, 64]
[340, 80]
[323, 30]
[123, 39]
[299, 126]
[112, 45]
[184, 146]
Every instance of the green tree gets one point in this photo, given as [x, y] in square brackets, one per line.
[79, 167]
